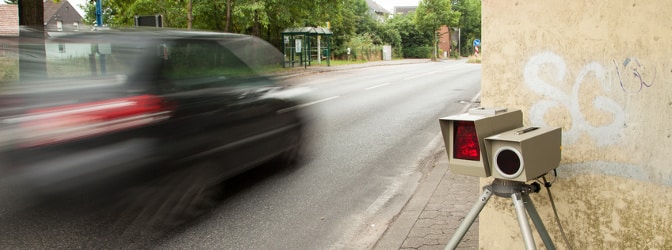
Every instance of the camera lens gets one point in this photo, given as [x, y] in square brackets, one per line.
[509, 162]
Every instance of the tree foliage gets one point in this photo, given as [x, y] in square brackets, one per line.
[431, 15]
[470, 22]
[410, 37]
[348, 19]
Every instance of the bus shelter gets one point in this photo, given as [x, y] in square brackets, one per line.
[304, 45]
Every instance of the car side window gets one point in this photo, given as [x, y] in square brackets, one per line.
[200, 64]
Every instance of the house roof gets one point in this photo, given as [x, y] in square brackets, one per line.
[404, 9]
[9, 23]
[62, 10]
[376, 7]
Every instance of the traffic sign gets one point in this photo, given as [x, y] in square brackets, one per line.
[477, 42]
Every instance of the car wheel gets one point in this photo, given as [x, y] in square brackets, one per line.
[292, 156]
[169, 201]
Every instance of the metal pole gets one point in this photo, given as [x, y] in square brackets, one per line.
[469, 219]
[99, 13]
[319, 50]
[541, 229]
[459, 42]
[525, 230]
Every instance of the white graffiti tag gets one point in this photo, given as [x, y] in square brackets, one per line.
[604, 135]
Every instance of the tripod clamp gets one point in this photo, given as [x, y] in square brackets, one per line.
[505, 188]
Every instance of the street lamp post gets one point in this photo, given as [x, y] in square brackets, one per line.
[99, 13]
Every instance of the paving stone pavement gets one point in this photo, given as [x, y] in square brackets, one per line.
[434, 212]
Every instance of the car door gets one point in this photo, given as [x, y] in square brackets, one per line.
[220, 115]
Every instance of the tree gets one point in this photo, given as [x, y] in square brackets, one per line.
[32, 54]
[413, 41]
[431, 15]
[470, 21]
[263, 18]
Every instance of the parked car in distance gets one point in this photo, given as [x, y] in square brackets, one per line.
[116, 109]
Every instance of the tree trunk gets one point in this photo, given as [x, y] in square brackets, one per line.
[229, 5]
[32, 55]
[255, 25]
[434, 45]
[189, 15]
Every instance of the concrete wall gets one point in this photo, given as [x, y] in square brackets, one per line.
[601, 70]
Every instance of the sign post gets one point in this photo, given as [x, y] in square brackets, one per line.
[477, 43]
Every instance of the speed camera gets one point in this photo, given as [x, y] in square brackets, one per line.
[524, 154]
[464, 136]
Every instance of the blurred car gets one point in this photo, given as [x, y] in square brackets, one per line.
[120, 108]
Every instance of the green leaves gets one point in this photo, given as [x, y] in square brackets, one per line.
[349, 19]
[470, 21]
[432, 14]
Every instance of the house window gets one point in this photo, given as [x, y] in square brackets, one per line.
[59, 25]
[76, 25]
[61, 47]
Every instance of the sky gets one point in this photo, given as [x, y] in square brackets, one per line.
[77, 3]
[389, 4]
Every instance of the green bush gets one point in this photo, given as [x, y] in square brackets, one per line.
[9, 69]
[418, 52]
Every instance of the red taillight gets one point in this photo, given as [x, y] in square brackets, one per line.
[465, 141]
[50, 125]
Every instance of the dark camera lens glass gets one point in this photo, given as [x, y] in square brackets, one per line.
[508, 162]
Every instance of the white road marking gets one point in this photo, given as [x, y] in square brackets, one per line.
[379, 85]
[420, 75]
[305, 105]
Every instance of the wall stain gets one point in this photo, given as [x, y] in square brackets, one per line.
[618, 217]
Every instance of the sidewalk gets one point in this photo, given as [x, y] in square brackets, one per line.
[434, 212]
[315, 68]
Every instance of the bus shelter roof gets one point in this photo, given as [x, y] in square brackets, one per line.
[307, 31]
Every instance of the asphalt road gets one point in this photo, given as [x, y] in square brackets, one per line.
[371, 128]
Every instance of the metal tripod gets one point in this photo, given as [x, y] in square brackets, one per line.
[519, 193]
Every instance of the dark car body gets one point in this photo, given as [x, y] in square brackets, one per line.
[119, 108]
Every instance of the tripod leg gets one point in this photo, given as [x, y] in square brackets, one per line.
[541, 229]
[469, 219]
[519, 205]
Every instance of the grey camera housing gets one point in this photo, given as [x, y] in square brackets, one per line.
[487, 122]
[538, 150]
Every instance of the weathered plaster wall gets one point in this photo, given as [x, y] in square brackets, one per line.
[601, 70]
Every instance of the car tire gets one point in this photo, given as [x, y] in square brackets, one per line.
[292, 156]
[152, 209]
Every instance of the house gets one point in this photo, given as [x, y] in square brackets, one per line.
[61, 16]
[58, 17]
[9, 23]
[445, 41]
[403, 10]
[377, 12]
[9, 39]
